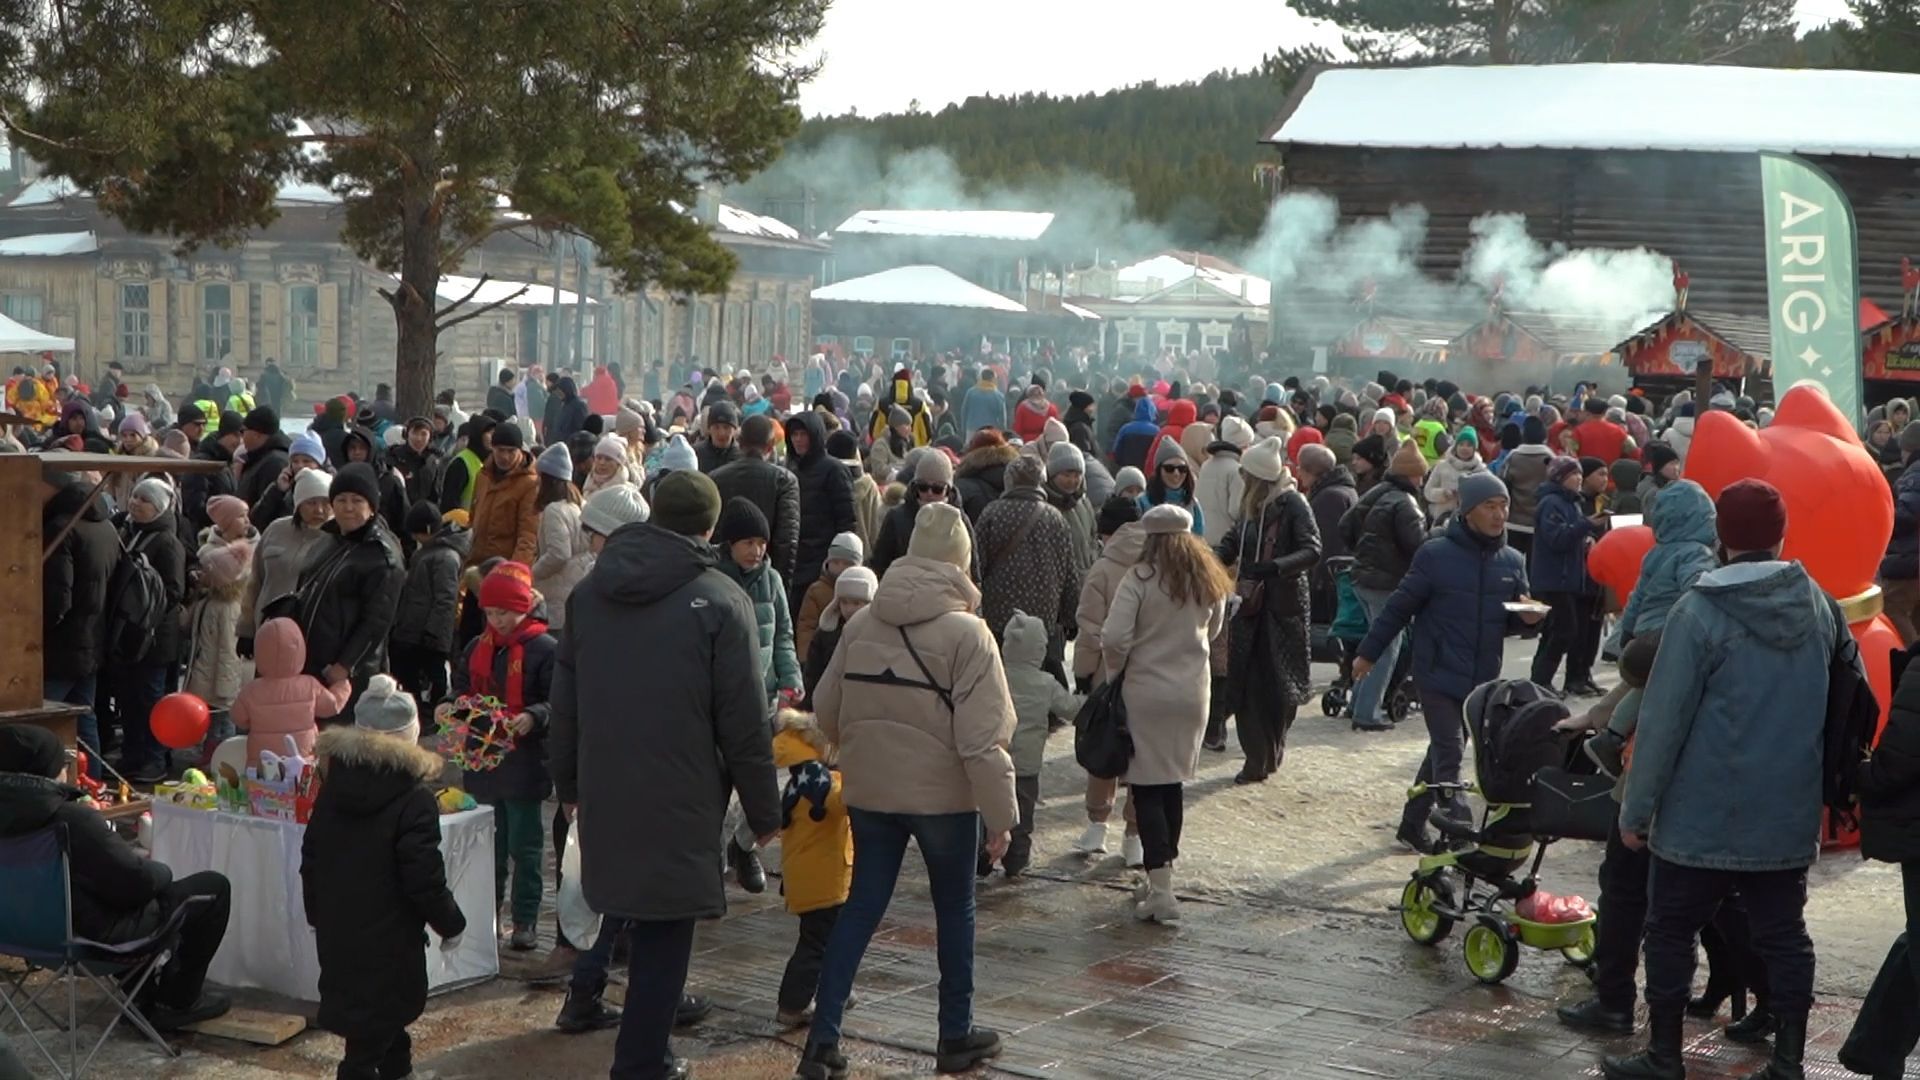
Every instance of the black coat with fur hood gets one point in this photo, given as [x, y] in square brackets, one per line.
[373, 880]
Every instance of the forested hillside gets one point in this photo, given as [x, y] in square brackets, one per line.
[1187, 154]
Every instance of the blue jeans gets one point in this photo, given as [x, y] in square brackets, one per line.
[590, 967]
[80, 692]
[949, 843]
[1366, 696]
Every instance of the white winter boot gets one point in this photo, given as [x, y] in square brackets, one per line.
[1134, 854]
[1161, 905]
[1094, 840]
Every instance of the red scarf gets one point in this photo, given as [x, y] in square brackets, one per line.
[480, 663]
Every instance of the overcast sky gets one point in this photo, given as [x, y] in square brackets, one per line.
[883, 54]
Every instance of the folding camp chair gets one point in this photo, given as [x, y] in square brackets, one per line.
[36, 926]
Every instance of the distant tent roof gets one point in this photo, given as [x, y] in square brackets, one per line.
[1706, 107]
[960, 224]
[929, 286]
[15, 338]
[43, 245]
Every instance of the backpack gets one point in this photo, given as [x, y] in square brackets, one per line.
[1853, 718]
[136, 606]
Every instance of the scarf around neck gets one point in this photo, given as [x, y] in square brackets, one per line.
[480, 663]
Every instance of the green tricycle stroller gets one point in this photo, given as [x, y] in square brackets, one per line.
[1480, 880]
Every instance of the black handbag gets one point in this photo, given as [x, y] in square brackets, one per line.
[1570, 806]
[1101, 742]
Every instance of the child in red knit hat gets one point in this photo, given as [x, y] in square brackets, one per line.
[512, 660]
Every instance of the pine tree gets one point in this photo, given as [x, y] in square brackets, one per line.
[439, 122]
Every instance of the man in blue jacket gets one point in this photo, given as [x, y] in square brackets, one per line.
[1725, 785]
[1455, 595]
[1131, 444]
[1562, 533]
[983, 407]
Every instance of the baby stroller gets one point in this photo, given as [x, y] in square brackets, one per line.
[1341, 637]
[1489, 879]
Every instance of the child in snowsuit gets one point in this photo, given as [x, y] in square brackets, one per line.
[374, 881]
[816, 842]
[225, 564]
[853, 589]
[1683, 549]
[1035, 694]
[280, 701]
[846, 551]
[513, 660]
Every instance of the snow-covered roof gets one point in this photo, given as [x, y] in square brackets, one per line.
[454, 287]
[958, 224]
[44, 245]
[735, 220]
[1169, 270]
[44, 191]
[1607, 107]
[1077, 311]
[931, 286]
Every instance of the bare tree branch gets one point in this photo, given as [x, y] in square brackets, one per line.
[471, 293]
[459, 251]
[441, 328]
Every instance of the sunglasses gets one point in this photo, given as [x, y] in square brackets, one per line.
[930, 489]
[1173, 468]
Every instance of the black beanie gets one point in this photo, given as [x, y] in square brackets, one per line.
[422, 517]
[231, 423]
[740, 519]
[841, 445]
[1590, 465]
[1118, 510]
[508, 435]
[34, 751]
[356, 479]
[263, 420]
[1373, 450]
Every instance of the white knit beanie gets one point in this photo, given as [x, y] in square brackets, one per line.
[311, 484]
[847, 546]
[1236, 431]
[611, 507]
[1265, 459]
[940, 533]
[156, 493]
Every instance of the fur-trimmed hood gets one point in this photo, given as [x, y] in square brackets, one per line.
[363, 771]
[985, 458]
[799, 740]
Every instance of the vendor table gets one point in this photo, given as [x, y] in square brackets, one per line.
[269, 945]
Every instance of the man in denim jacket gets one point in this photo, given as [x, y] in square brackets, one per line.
[1725, 781]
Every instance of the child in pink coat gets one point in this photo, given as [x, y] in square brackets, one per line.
[280, 701]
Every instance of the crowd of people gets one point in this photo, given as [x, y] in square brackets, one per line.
[846, 612]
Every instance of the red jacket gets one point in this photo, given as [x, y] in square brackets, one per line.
[1598, 438]
[603, 397]
[1029, 423]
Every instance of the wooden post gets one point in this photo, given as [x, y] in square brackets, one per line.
[1702, 385]
[21, 677]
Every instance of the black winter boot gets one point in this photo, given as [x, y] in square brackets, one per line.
[1216, 737]
[585, 1012]
[1755, 1027]
[822, 1061]
[1660, 1060]
[959, 1055]
[1789, 1050]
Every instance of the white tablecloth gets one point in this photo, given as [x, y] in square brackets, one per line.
[268, 944]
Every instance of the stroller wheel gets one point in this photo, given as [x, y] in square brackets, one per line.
[1492, 952]
[1417, 915]
[1400, 702]
[1580, 953]
[1333, 703]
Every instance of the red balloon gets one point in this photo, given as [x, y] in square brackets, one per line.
[1614, 560]
[179, 721]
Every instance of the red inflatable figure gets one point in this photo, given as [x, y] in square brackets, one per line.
[1839, 510]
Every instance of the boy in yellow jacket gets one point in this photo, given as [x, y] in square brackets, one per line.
[816, 844]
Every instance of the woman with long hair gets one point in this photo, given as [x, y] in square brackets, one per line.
[1166, 611]
[561, 555]
[1275, 545]
[1172, 483]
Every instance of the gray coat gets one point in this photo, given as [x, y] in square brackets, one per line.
[655, 774]
[1032, 572]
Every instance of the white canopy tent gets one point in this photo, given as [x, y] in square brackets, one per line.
[15, 338]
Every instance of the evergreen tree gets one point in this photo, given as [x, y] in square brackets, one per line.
[439, 122]
[1555, 31]
[1885, 35]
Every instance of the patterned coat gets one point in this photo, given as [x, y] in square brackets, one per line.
[1033, 573]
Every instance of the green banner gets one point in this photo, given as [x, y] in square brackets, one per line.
[1813, 282]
